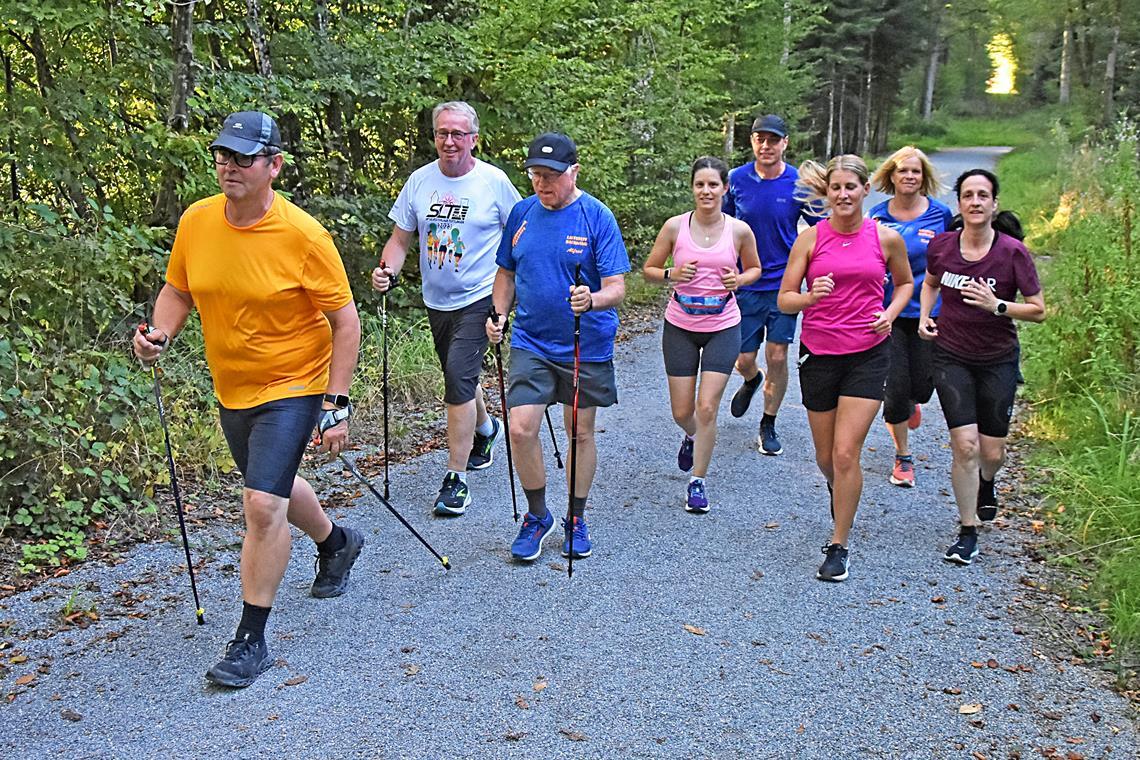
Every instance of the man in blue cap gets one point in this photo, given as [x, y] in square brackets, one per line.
[761, 193]
[281, 334]
[549, 237]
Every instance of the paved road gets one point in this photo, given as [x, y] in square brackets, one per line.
[496, 659]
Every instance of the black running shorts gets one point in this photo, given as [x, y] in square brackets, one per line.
[826, 377]
[976, 394]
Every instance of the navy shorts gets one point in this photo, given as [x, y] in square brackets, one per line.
[460, 338]
[686, 351]
[826, 377]
[268, 440]
[976, 394]
[761, 319]
[911, 378]
[537, 380]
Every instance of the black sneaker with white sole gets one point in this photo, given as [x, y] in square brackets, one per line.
[963, 550]
[454, 497]
[742, 399]
[834, 567]
[482, 453]
[244, 661]
[333, 570]
[768, 442]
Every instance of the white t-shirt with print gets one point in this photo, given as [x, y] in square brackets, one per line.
[459, 221]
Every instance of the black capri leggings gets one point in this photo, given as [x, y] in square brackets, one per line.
[911, 377]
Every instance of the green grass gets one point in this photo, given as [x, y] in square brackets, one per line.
[1025, 130]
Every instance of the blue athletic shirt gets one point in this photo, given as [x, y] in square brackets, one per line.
[769, 207]
[917, 234]
[542, 247]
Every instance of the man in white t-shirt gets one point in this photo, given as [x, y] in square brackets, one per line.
[457, 206]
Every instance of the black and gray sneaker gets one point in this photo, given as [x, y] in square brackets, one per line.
[768, 442]
[454, 497]
[742, 399]
[245, 660]
[333, 570]
[834, 568]
[965, 548]
[483, 447]
[987, 500]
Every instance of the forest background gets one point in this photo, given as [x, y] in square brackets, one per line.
[109, 105]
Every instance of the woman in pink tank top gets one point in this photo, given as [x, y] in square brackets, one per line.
[844, 354]
[702, 320]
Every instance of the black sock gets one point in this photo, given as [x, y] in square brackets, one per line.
[986, 493]
[756, 380]
[767, 419]
[536, 502]
[579, 505]
[967, 530]
[252, 625]
[334, 543]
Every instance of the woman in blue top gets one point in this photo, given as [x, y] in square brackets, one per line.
[909, 178]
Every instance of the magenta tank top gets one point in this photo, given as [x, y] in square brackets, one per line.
[703, 304]
[841, 322]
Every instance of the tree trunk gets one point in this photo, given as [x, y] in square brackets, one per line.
[729, 135]
[1110, 69]
[1066, 82]
[168, 206]
[786, 51]
[830, 115]
[260, 44]
[13, 172]
[840, 141]
[932, 75]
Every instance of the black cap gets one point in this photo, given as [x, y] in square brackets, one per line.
[553, 150]
[248, 133]
[771, 123]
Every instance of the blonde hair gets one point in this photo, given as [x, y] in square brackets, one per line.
[881, 179]
[811, 187]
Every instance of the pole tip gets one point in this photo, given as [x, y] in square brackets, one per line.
[201, 616]
[446, 564]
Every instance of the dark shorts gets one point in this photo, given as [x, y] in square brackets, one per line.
[976, 394]
[460, 339]
[826, 377]
[537, 380]
[686, 351]
[761, 320]
[267, 440]
[911, 378]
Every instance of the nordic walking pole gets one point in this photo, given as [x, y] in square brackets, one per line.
[145, 329]
[352, 468]
[550, 427]
[506, 417]
[384, 341]
[574, 425]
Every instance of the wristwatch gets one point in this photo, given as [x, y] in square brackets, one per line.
[666, 274]
[1001, 308]
[339, 400]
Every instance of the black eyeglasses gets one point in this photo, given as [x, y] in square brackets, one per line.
[456, 135]
[223, 156]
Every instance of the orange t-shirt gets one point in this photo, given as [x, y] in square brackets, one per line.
[260, 292]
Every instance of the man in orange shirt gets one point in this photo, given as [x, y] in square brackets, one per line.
[282, 336]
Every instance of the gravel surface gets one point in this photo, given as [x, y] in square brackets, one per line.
[684, 635]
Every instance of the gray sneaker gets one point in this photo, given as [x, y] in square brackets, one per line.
[333, 570]
[243, 662]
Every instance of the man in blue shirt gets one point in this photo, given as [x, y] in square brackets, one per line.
[762, 194]
[547, 238]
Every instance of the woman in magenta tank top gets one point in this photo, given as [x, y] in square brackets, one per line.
[702, 320]
[844, 354]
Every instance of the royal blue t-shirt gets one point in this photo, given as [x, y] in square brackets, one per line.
[770, 208]
[542, 247]
[917, 234]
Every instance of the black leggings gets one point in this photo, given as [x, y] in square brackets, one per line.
[911, 377]
[980, 394]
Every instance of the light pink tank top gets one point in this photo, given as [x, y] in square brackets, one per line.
[703, 304]
[840, 323]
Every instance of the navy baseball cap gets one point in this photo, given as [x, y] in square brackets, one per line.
[553, 150]
[771, 123]
[249, 133]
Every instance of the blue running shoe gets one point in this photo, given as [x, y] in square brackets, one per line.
[582, 545]
[685, 455]
[697, 502]
[528, 545]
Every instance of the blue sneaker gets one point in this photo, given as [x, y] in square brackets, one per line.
[533, 532]
[697, 502]
[582, 545]
[685, 455]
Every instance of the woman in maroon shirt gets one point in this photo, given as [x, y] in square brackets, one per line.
[979, 270]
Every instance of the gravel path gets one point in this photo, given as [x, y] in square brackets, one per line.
[684, 635]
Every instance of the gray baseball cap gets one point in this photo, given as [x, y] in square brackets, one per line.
[249, 133]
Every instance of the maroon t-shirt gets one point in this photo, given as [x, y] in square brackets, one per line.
[968, 332]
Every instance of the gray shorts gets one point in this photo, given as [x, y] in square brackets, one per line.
[537, 380]
[460, 339]
[687, 351]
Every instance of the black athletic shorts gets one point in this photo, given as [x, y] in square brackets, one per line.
[535, 379]
[911, 377]
[686, 351]
[976, 394]
[267, 440]
[826, 377]
[460, 339]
